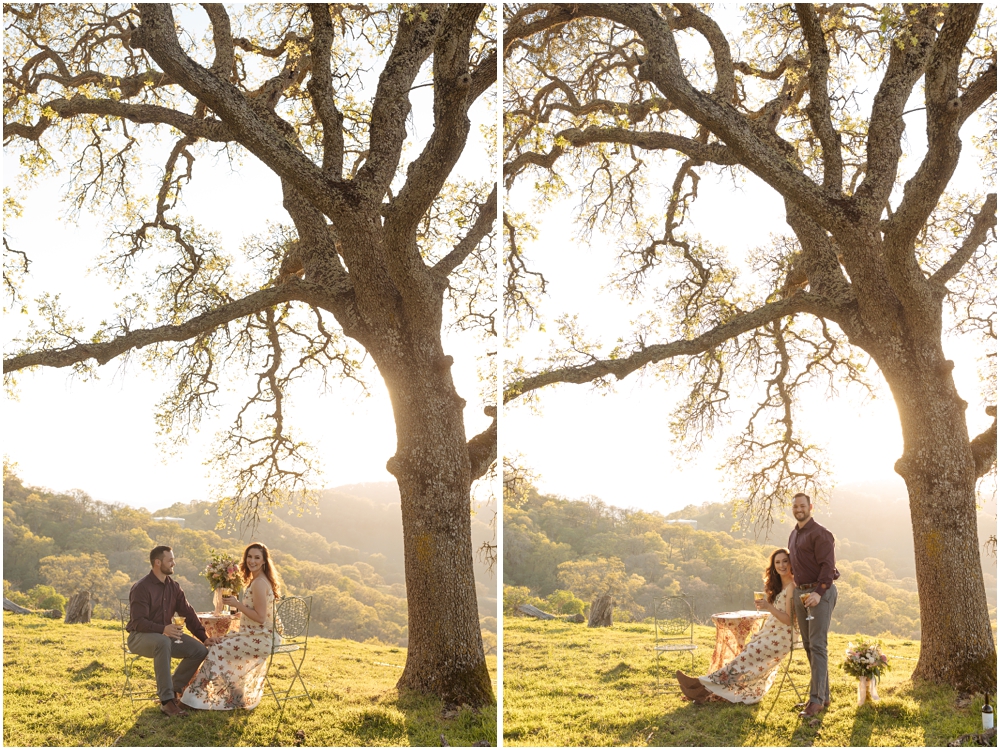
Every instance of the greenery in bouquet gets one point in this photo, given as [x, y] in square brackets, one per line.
[865, 659]
[223, 572]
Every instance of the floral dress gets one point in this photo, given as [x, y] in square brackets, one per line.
[232, 675]
[749, 676]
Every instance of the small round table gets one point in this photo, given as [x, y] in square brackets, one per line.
[217, 626]
[732, 630]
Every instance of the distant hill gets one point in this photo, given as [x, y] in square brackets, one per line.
[352, 523]
[347, 554]
[867, 520]
[560, 553]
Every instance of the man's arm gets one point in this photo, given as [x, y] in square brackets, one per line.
[823, 550]
[190, 617]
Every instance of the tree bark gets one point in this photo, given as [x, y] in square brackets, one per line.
[445, 654]
[957, 646]
[79, 608]
[600, 612]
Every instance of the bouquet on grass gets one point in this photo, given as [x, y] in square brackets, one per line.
[223, 572]
[866, 661]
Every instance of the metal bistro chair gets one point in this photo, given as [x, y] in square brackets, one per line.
[785, 670]
[291, 615]
[673, 627]
[129, 659]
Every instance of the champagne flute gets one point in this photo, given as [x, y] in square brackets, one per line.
[803, 597]
[758, 596]
[226, 592]
[178, 620]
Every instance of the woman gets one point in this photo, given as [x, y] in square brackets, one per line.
[232, 675]
[748, 677]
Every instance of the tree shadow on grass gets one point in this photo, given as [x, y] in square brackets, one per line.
[713, 724]
[618, 672]
[426, 720]
[152, 728]
[89, 672]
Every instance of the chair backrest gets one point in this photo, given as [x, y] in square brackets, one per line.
[673, 619]
[291, 617]
[124, 615]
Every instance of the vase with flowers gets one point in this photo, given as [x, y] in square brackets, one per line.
[866, 661]
[224, 578]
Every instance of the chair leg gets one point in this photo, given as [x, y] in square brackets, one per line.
[298, 676]
[784, 676]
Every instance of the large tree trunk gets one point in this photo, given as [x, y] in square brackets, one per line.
[445, 654]
[957, 646]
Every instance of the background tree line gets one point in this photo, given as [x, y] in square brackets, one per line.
[559, 554]
[349, 560]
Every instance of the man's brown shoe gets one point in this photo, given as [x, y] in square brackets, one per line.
[811, 710]
[170, 708]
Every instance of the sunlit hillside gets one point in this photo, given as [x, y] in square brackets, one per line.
[559, 554]
[346, 554]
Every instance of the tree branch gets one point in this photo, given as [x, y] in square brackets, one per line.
[158, 36]
[105, 351]
[428, 172]
[222, 37]
[418, 28]
[484, 223]
[717, 153]
[984, 446]
[621, 368]
[689, 17]
[907, 56]
[758, 149]
[819, 97]
[985, 220]
[483, 447]
[143, 114]
[320, 88]
[517, 29]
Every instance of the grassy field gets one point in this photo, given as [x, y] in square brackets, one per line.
[566, 684]
[62, 686]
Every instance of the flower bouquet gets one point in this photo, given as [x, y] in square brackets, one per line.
[866, 661]
[223, 572]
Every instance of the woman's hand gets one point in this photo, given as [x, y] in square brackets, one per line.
[764, 604]
[232, 601]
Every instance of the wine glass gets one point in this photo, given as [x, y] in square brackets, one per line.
[803, 597]
[178, 620]
[226, 592]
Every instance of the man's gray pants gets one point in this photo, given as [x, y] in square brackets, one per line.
[814, 633]
[161, 649]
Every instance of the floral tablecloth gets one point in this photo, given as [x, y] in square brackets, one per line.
[217, 626]
[732, 630]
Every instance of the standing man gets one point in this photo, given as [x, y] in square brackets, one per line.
[152, 603]
[811, 548]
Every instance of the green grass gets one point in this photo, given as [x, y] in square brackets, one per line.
[566, 684]
[62, 686]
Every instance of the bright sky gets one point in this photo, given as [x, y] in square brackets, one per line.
[100, 436]
[618, 446]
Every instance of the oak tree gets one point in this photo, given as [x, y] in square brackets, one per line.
[883, 257]
[386, 243]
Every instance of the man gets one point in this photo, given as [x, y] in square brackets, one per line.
[811, 548]
[152, 603]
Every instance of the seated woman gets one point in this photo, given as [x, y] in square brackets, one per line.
[232, 675]
[749, 676]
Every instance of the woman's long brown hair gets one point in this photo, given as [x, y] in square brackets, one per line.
[772, 579]
[270, 571]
